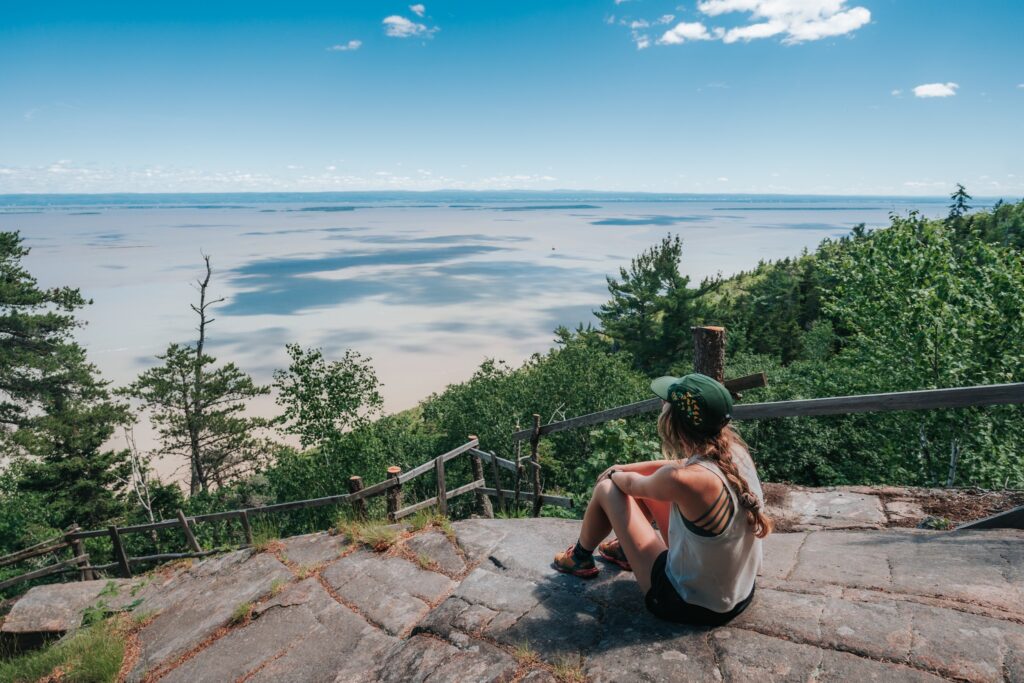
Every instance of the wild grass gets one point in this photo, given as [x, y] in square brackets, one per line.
[569, 670]
[264, 533]
[277, 585]
[91, 655]
[242, 612]
[525, 654]
[430, 518]
[377, 536]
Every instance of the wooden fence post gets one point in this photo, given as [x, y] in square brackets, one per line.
[355, 484]
[497, 482]
[535, 464]
[246, 527]
[189, 536]
[119, 554]
[78, 550]
[709, 351]
[394, 493]
[483, 503]
[442, 489]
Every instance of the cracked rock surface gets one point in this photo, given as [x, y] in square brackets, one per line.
[831, 605]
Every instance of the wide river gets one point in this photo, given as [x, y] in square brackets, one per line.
[429, 285]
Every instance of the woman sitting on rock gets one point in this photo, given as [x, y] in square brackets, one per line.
[706, 500]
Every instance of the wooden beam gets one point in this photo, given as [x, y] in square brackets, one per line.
[442, 501]
[429, 465]
[355, 485]
[246, 527]
[709, 351]
[960, 397]
[483, 503]
[395, 492]
[472, 486]
[189, 536]
[546, 499]
[35, 551]
[501, 462]
[535, 461]
[119, 553]
[497, 482]
[60, 567]
[1008, 519]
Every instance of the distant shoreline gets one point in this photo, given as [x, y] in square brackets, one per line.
[482, 197]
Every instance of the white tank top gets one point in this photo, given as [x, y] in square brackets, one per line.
[716, 572]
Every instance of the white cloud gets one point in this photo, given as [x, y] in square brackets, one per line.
[798, 20]
[896, 93]
[665, 19]
[684, 31]
[639, 23]
[400, 27]
[419, 9]
[642, 40]
[346, 47]
[935, 90]
[1021, 86]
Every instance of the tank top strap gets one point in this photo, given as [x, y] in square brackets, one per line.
[717, 471]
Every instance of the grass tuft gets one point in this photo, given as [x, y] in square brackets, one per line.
[569, 670]
[90, 655]
[264, 533]
[525, 654]
[277, 585]
[374, 535]
[242, 613]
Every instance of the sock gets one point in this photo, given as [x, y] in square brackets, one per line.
[581, 554]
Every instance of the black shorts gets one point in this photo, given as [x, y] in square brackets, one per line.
[664, 602]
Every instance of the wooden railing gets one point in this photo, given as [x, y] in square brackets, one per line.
[709, 359]
[391, 487]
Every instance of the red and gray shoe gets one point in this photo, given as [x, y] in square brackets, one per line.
[611, 551]
[566, 563]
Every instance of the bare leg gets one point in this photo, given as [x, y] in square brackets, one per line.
[656, 511]
[609, 510]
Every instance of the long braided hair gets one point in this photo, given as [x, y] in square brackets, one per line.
[678, 443]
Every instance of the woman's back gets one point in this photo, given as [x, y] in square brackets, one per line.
[716, 571]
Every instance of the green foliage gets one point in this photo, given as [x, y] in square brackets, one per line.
[651, 304]
[56, 413]
[198, 411]
[324, 399]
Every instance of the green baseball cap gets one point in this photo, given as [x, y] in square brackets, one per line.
[703, 402]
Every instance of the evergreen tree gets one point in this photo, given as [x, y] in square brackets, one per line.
[652, 308]
[199, 410]
[55, 412]
[959, 208]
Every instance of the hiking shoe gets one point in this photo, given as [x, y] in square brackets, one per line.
[566, 563]
[611, 551]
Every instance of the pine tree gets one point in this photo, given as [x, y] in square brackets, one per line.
[56, 413]
[199, 409]
[652, 308]
[959, 208]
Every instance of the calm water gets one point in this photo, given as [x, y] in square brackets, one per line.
[427, 284]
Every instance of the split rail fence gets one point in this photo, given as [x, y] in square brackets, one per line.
[357, 497]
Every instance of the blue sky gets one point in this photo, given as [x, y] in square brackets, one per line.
[641, 95]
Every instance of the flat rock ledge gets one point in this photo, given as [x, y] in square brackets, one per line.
[485, 605]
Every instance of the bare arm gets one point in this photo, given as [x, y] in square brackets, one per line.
[664, 484]
[643, 468]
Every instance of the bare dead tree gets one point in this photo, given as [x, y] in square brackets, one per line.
[195, 411]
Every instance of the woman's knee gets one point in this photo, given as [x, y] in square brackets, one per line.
[606, 489]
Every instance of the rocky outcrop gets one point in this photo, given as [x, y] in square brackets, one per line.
[485, 605]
